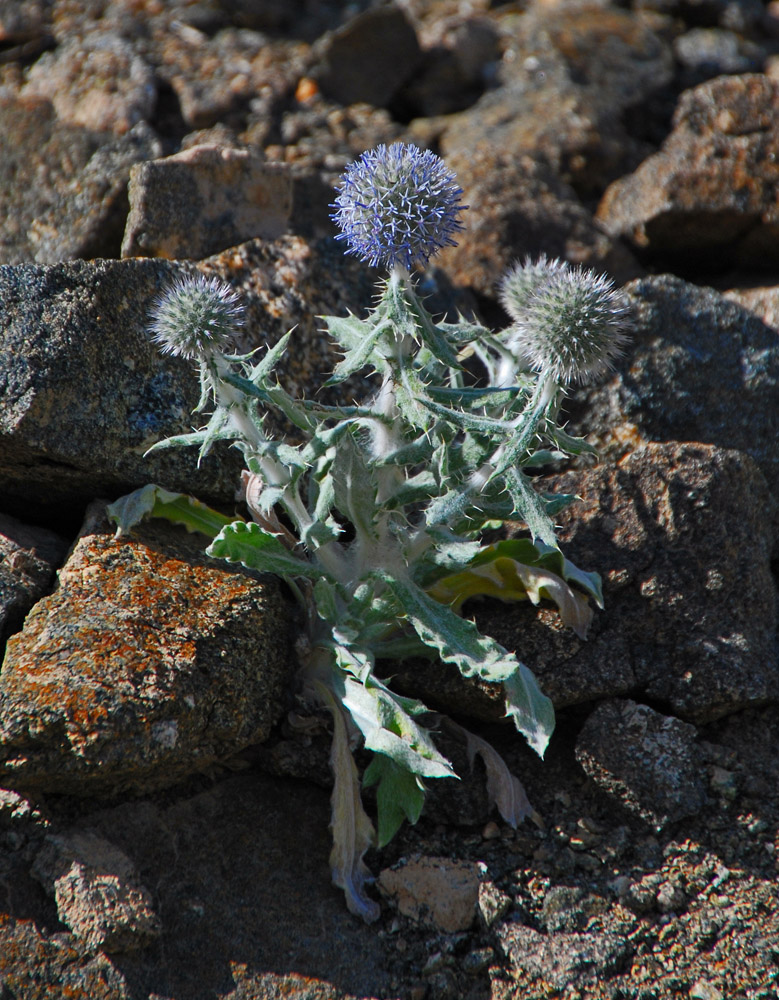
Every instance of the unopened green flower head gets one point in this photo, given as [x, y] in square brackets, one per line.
[571, 325]
[523, 280]
[196, 317]
[398, 205]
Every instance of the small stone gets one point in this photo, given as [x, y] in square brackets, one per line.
[99, 82]
[97, 892]
[438, 892]
[723, 783]
[671, 898]
[493, 903]
[701, 990]
[491, 831]
[369, 57]
[478, 960]
[648, 761]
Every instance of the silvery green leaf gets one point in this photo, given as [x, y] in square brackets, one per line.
[403, 647]
[472, 422]
[256, 548]
[387, 728]
[458, 641]
[270, 359]
[413, 453]
[464, 331]
[555, 502]
[570, 445]
[348, 331]
[420, 487]
[433, 337]
[400, 795]
[486, 396]
[179, 508]
[530, 506]
[543, 456]
[590, 583]
[526, 430]
[354, 485]
[194, 437]
[247, 387]
[329, 604]
[531, 710]
[450, 552]
[357, 357]
[408, 393]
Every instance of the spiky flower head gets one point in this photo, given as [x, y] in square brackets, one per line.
[398, 205]
[196, 317]
[523, 280]
[569, 322]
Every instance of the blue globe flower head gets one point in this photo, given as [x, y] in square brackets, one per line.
[398, 205]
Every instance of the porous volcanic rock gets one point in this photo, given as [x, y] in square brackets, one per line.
[149, 662]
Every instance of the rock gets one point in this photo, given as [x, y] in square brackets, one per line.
[707, 52]
[149, 662]
[647, 761]
[709, 195]
[566, 80]
[215, 77]
[698, 368]
[438, 892]
[460, 59]
[569, 908]
[238, 868]
[98, 81]
[97, 891]
[87, 392]
[563, 959]
[35, 963]
[63, 187]
[21, 23]
[737, 15]
[682, 537]
[91, 217]
[369, 57]
[203, 200]
[761, 300]
[493, 903]
[518, 207]
[28, 558]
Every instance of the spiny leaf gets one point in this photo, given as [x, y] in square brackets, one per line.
[459, 641]
[256, 548]
[400, 795]
[154, 501]
[529, 707]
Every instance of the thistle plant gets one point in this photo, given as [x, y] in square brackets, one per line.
[376, 519]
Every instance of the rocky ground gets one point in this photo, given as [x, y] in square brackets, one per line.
[164, 806]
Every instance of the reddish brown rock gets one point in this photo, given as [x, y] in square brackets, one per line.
[710, 195]
[438, 892]
[517, 208]
[149, 662]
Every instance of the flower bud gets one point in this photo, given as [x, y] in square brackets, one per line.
[397, 205]
[570, 323]
[196, 317]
